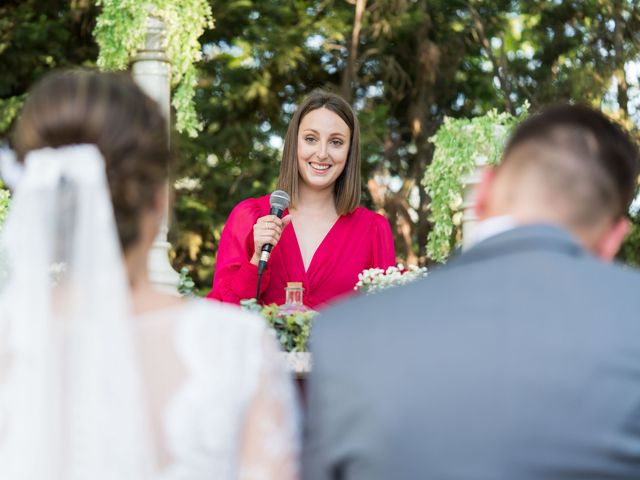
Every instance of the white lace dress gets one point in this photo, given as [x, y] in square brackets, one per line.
[192, 392]
[221, 403]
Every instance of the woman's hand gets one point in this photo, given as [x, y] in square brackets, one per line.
[267, 230]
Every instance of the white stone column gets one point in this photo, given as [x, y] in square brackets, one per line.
[469, 219]
[152, 71]
[470, 184]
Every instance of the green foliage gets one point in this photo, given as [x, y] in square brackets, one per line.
[120, 31]
[630, 250]
[9, 109]
[258, 66]
[37, 37]
[4, 208]
[417, 62]
[459, 145]
[292, 331]
[186, 285]
[4, 204]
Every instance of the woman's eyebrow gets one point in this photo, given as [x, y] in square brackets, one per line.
[333, 134]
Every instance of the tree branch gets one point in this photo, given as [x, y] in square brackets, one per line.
[618, 45]
[349, 73]
[499, 65]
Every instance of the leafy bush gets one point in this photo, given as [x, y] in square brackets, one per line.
[4, 204]
[4, 208]
[186, 285]
[630, 249]
[292, 331]
[459, 144]
[120, 31]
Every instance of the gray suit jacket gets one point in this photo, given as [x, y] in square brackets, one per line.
[518, 360]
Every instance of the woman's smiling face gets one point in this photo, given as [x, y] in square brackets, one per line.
[323, 148]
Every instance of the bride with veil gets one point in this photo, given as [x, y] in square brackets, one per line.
[101, 376]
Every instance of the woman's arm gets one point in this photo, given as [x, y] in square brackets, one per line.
[235, 277]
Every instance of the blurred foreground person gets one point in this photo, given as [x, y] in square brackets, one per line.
[520, 359]
[102, 376]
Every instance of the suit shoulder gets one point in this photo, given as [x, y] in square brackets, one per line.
[619, 276]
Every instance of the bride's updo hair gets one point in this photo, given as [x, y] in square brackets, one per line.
[110, 111]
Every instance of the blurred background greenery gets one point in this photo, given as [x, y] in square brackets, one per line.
[403, 64]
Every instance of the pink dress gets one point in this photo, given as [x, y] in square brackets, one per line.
[357, 241]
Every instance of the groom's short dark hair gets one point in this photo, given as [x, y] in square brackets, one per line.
[579, 144]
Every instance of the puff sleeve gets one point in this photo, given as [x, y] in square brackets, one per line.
[235, 277]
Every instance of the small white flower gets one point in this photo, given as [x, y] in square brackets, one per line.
[375, 279]
[456, 202]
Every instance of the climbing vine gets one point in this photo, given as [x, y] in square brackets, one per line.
[459, 145]
[120, 31]
[4, 203]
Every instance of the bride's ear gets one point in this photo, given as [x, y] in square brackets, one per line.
[160, 201]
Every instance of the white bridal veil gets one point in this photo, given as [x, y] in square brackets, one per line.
[71, 402]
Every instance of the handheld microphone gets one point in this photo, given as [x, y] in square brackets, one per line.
[279, 202]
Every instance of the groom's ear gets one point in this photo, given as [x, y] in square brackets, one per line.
[612, 239]
[483, 192]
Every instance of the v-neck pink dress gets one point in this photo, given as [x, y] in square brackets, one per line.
[357, 241]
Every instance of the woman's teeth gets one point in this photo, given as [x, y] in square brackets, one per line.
[320, 166]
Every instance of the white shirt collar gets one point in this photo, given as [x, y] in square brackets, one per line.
[489, 228]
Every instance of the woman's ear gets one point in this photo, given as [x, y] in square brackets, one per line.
[161, 200]
[483, 192]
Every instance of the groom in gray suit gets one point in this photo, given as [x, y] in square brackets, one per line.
[518, 360]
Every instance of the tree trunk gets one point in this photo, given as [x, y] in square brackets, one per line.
[349, 73]
[499, 64]
[421, 122]
[618, 44]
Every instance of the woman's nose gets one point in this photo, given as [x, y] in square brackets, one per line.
[322, 151]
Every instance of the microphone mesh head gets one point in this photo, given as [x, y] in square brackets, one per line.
[279, 199]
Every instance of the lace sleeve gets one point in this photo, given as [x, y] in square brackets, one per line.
[270, 442]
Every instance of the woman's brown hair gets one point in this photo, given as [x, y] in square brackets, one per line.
[110, 111]
[347, 189]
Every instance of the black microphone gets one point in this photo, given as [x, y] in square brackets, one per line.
[279, 202]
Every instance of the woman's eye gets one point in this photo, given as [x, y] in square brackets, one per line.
[337, 143]
[310, 139]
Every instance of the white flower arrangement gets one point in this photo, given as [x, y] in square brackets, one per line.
[376, 279]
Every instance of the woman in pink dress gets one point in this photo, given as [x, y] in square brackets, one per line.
[325, 239]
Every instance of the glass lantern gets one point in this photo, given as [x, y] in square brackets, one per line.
[293, 299]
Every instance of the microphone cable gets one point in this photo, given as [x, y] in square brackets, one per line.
[260, 272]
